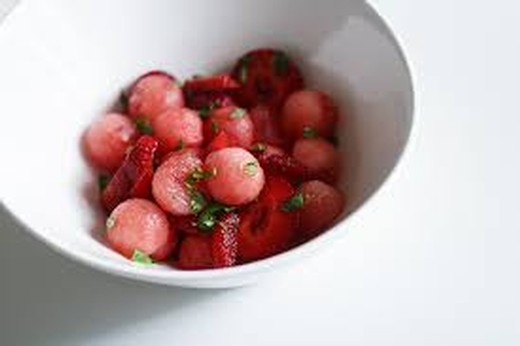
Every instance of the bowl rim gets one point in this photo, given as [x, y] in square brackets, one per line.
[185, 277]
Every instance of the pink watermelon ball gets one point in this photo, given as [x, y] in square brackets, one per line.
[238, 177]
[153, 94]
[235, 122]
[107, 140]
[322, 205]
[309, 110]
[319, 157]
[138, 224]
[176, 128]
[169, 181]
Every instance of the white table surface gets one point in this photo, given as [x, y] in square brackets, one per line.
[437, 262]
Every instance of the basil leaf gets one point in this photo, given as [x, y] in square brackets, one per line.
[251, 168]
[259, 147]
[143, 126]
[141, 258]
[238, 113]
[209, 217]
[294, 203]
[197, 202]
[309, 132]
[103, 180]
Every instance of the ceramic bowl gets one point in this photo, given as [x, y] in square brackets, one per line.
[64, 62]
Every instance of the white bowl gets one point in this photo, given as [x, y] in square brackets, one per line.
[64, 62]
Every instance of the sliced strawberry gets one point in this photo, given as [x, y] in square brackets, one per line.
[217, 83]
[267, 128]
[267, 76]
[220, 141]
[282, 164]
[207, 101]
[195, 253]
[186, 225]
[224, 241]
[265, 229]
[134, 177]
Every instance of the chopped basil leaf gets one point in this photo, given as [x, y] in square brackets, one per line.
[293, 203]
[103, 181]
[141, 258]
[238, 113]
[309, 132]
[259, 147]
[251, 168]
[209, 217]
[198, 174]
[198, 202]
[143, 126]
[214, 127]
[205, 111]
[280, 63]
[111, 222]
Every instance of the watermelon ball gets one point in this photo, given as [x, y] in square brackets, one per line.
[237, 176]
[319, 157]
[153, 94]
[322, 205]
[169, 184]
[138, 224]
[107, 140]
[235, 122]
[177, 128]
[309, 113]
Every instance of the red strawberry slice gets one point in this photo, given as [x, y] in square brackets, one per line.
[186, 225]
[195, 253]
[267, 128]
[282, 164]
[208, 101]
[221, 82]
[220, 141]
[265, 229]
[224, 244]
[134, 177]
[267, 76]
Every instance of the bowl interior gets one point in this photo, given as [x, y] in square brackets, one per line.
[64, 63]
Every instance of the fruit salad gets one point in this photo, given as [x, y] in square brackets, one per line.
[217, 170]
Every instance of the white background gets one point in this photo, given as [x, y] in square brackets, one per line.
[437, 262]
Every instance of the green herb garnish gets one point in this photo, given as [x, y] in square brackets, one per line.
[280, 63]
[103, 180]
[111, 222]
[309, 132]
[141, 258]
[238, 113]
[209, 217]
[214, 126]
[143, 126]
[251, 168]
[199, 174]
[197, 202]
[259, 147]
[294, 203]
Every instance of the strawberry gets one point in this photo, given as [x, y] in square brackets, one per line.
[266, 76]
[186, 225]
[282, 164]
[134, 177]
[207, 101]
[224, 244]
[208, 93]
[216, 83]
[195, 253]
[220, 141]
[265, 229]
